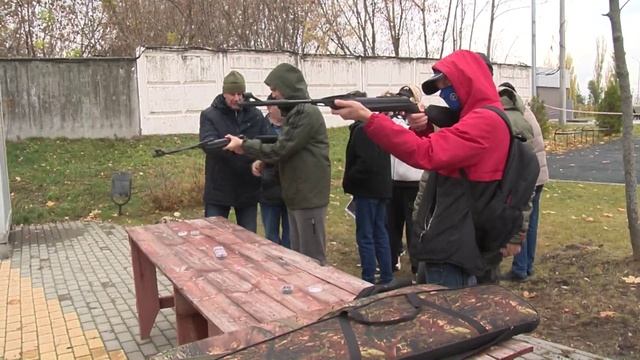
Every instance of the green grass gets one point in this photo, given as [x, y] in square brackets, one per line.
[74, 177]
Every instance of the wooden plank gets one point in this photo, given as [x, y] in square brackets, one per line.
[218, 308]
[167, 302]
[190, 324]
[518, 346]
[482, 357]
[504, 353]
[146, 285]
[336, 277]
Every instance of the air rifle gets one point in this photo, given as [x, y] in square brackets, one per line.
[375, 104]
[212, 144]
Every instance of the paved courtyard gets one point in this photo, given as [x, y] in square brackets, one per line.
[67, 293]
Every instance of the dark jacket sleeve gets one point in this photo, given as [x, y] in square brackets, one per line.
[208, 131]
[296, 133]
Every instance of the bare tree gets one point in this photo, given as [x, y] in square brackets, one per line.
[473, 22]
[492, 18]
[421, 5]
[444, 33]
[395, 16]
[628, 154]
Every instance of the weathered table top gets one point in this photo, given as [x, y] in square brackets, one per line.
[245, 288]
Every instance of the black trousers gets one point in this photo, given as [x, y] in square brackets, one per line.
[399, 219]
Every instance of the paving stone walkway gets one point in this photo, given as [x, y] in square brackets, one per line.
[67, 293]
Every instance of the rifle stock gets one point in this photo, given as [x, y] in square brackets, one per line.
[375, 104]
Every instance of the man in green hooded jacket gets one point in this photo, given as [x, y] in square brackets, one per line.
[302, 155]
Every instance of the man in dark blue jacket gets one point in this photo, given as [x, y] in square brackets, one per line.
[228, 178]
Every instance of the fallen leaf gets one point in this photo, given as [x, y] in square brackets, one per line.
[607, 314]
[621, 209]
[607, 215]
[631, 279]
[548, 212]
[573, 217]
[50, 203]
[18, 178]
[588, 219]
[529, 295]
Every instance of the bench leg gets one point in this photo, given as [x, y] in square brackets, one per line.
[146, 284]
[190, 324]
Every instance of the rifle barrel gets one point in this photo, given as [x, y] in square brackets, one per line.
[376, 104]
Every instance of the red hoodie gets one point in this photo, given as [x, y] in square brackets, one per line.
[479, 142]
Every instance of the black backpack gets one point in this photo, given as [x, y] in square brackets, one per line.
[502, 216]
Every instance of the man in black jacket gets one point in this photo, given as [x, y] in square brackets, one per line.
[367, 176]
[228, 178]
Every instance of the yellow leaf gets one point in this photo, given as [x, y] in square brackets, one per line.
[18, 179]
[607, 314]
[50, 203]
[588, 219]
[631, 279]
[607, 215]
[176, 214]
[621, 209]
[548, 212]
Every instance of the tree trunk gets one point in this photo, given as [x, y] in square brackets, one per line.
[424, 29]
[628, 154]
[473, 24]
[444, 33]
[491, 20]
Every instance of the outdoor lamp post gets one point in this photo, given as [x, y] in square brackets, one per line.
[121, 189]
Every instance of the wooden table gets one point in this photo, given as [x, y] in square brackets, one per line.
[215, 296]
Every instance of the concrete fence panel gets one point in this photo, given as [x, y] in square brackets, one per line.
[75, 98]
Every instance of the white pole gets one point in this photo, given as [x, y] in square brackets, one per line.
[563, 89]
[534, 85]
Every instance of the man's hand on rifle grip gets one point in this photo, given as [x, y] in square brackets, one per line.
[235, 144]
[418, 121]
[351, 110]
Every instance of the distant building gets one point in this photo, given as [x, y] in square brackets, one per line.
[548, 88]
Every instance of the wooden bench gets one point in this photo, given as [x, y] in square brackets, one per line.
[215, 296]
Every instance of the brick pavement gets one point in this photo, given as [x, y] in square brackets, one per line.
[67, 293]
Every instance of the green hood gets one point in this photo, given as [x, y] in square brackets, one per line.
[289, 80]
[510, 99]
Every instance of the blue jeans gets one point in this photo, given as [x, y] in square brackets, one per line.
[522, 265]
[245, 216]
[373, 239]
[271, 217]
[448, 275]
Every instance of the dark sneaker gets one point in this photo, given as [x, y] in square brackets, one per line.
[513, 277]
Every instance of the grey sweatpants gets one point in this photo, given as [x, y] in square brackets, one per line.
[307, 232]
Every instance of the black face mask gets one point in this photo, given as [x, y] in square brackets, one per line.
[442, 116]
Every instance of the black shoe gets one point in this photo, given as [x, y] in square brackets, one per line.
[513, 277]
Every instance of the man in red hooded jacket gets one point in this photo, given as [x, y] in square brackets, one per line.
[450, 249]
